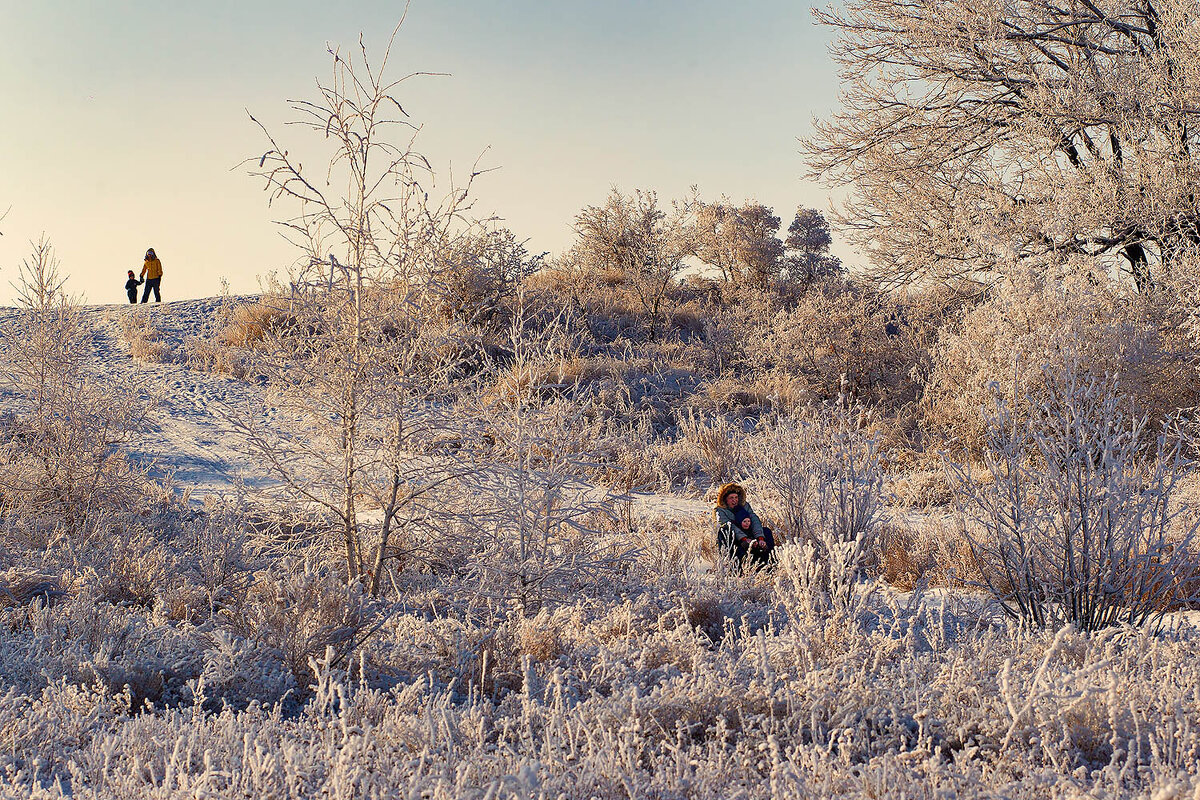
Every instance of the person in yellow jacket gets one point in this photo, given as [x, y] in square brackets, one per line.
[152, 273]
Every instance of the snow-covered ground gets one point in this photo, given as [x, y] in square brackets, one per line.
[189, 436]
[192, 438]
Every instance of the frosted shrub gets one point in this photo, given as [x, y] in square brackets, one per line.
[238, 670]
[60, 455]
[299, 609]
[841, 334]
[539, 532]
[848, 485]
[219, 560]
[1074, 521]
[821, 472]
[1052, 316]
[780, 458]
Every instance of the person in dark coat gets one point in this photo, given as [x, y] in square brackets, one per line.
[131, 287]
[740, 533]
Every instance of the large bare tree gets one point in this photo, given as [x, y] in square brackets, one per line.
[979, 133]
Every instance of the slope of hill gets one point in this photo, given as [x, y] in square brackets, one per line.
[187, 435]
[189, 438]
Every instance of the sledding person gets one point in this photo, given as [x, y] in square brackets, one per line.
[739, 531]
[152, 273]
[131, 287]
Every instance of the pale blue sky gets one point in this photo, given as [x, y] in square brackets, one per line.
[125, 120]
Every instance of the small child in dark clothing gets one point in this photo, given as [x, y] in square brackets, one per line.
[131, 287]
[739, 514]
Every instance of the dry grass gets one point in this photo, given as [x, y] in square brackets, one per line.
[717, 443]
[733, 395]
[145, 340]
[555, 377]
[921, 489]
[209, 356]
[1173, 589]
[539, 638]
[904, 562]
[247, 324]
[702, 537]
[927, 551]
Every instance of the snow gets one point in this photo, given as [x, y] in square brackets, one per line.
[188, 436]
[191, 440]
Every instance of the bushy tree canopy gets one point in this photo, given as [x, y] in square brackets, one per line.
[976, 134]
[740, 242]
[809, 239]
[633, 236]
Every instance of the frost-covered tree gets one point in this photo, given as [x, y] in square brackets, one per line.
[739, 242]
[643, 242]
[808, 242]
[359, 364]
[974, 134]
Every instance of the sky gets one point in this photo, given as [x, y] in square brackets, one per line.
[127, 121]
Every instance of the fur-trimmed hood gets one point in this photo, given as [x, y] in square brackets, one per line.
[728, 489]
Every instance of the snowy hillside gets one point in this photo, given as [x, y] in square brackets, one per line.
[189, 437]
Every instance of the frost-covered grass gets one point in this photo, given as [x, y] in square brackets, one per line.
[663, 684]
[152, 648]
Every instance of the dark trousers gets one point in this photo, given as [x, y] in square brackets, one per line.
[132, 295]
[152, 283]
[729, 544]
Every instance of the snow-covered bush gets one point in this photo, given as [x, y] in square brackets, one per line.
[848, 490]
[537, 529]
[60, 453]
[1074, 521]
[1051, 317]
[780, 459]
[820, 471]
[239, 671]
